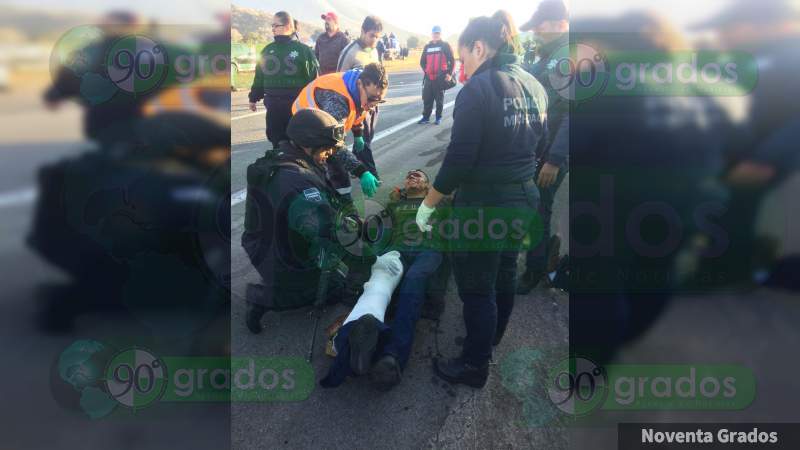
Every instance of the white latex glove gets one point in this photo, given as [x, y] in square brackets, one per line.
[423, 214]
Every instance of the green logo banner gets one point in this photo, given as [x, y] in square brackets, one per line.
[679, 387]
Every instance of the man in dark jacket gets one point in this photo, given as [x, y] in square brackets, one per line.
[330, 44]
[550, 22]
[289, 216]
[438, 63]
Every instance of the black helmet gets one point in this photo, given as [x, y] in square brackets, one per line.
[314, 128]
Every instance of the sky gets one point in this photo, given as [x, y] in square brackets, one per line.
[170, 11]
[453, 18]
[412, 15]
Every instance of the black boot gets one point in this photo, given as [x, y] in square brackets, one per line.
[363, 341]
[386, 373]
[456, 371]
[253, 317]
[528, 281]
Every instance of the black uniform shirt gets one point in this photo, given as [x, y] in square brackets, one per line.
[290, 219]
[500, 119]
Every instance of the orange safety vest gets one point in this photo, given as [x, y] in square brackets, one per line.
[333, 82]
[188, 98]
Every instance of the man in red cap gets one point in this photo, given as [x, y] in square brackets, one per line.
[330, 44]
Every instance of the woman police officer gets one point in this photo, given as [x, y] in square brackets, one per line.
[499, 120]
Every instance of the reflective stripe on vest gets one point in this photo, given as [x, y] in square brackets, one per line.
[182, 99]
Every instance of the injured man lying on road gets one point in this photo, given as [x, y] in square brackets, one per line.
[366, 344]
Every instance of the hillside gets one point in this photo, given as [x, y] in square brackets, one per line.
[309, 11]
[30, 24]
[254, 25]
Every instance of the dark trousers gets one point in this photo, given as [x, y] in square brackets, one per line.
[279, 111]
[487, 279]
[432, 92]
[396, 338]
[536, 258]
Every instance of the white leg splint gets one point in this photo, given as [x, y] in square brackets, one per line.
[386, 274]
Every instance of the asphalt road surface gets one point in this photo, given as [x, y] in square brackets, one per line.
[422, 411]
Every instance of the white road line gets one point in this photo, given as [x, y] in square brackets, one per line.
[17, 198]
[240, 196]
[244, 116]
[260, 113]
[28, 195]
[389, 131]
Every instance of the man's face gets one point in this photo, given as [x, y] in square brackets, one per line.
[416, 181]
[371, 95]
[370, 38]
[322, 156]
[331, 26]
[436, 36]
[550, 30]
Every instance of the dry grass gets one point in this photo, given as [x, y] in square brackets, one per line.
[245, 79]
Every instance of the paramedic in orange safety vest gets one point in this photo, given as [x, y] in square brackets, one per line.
[348, 96]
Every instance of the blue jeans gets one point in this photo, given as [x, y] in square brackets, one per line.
[410, 297]
[395, 339]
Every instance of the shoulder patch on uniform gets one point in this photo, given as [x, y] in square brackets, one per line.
[312, 195]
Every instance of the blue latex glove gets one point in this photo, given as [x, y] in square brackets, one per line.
[369, 184]
[358, 144]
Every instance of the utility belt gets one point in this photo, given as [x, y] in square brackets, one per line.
[490, 193]
[484, 186]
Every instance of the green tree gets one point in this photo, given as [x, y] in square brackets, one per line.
[413, 42]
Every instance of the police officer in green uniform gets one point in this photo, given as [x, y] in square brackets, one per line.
[286, 67]
[290, 212]
[550, 23]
